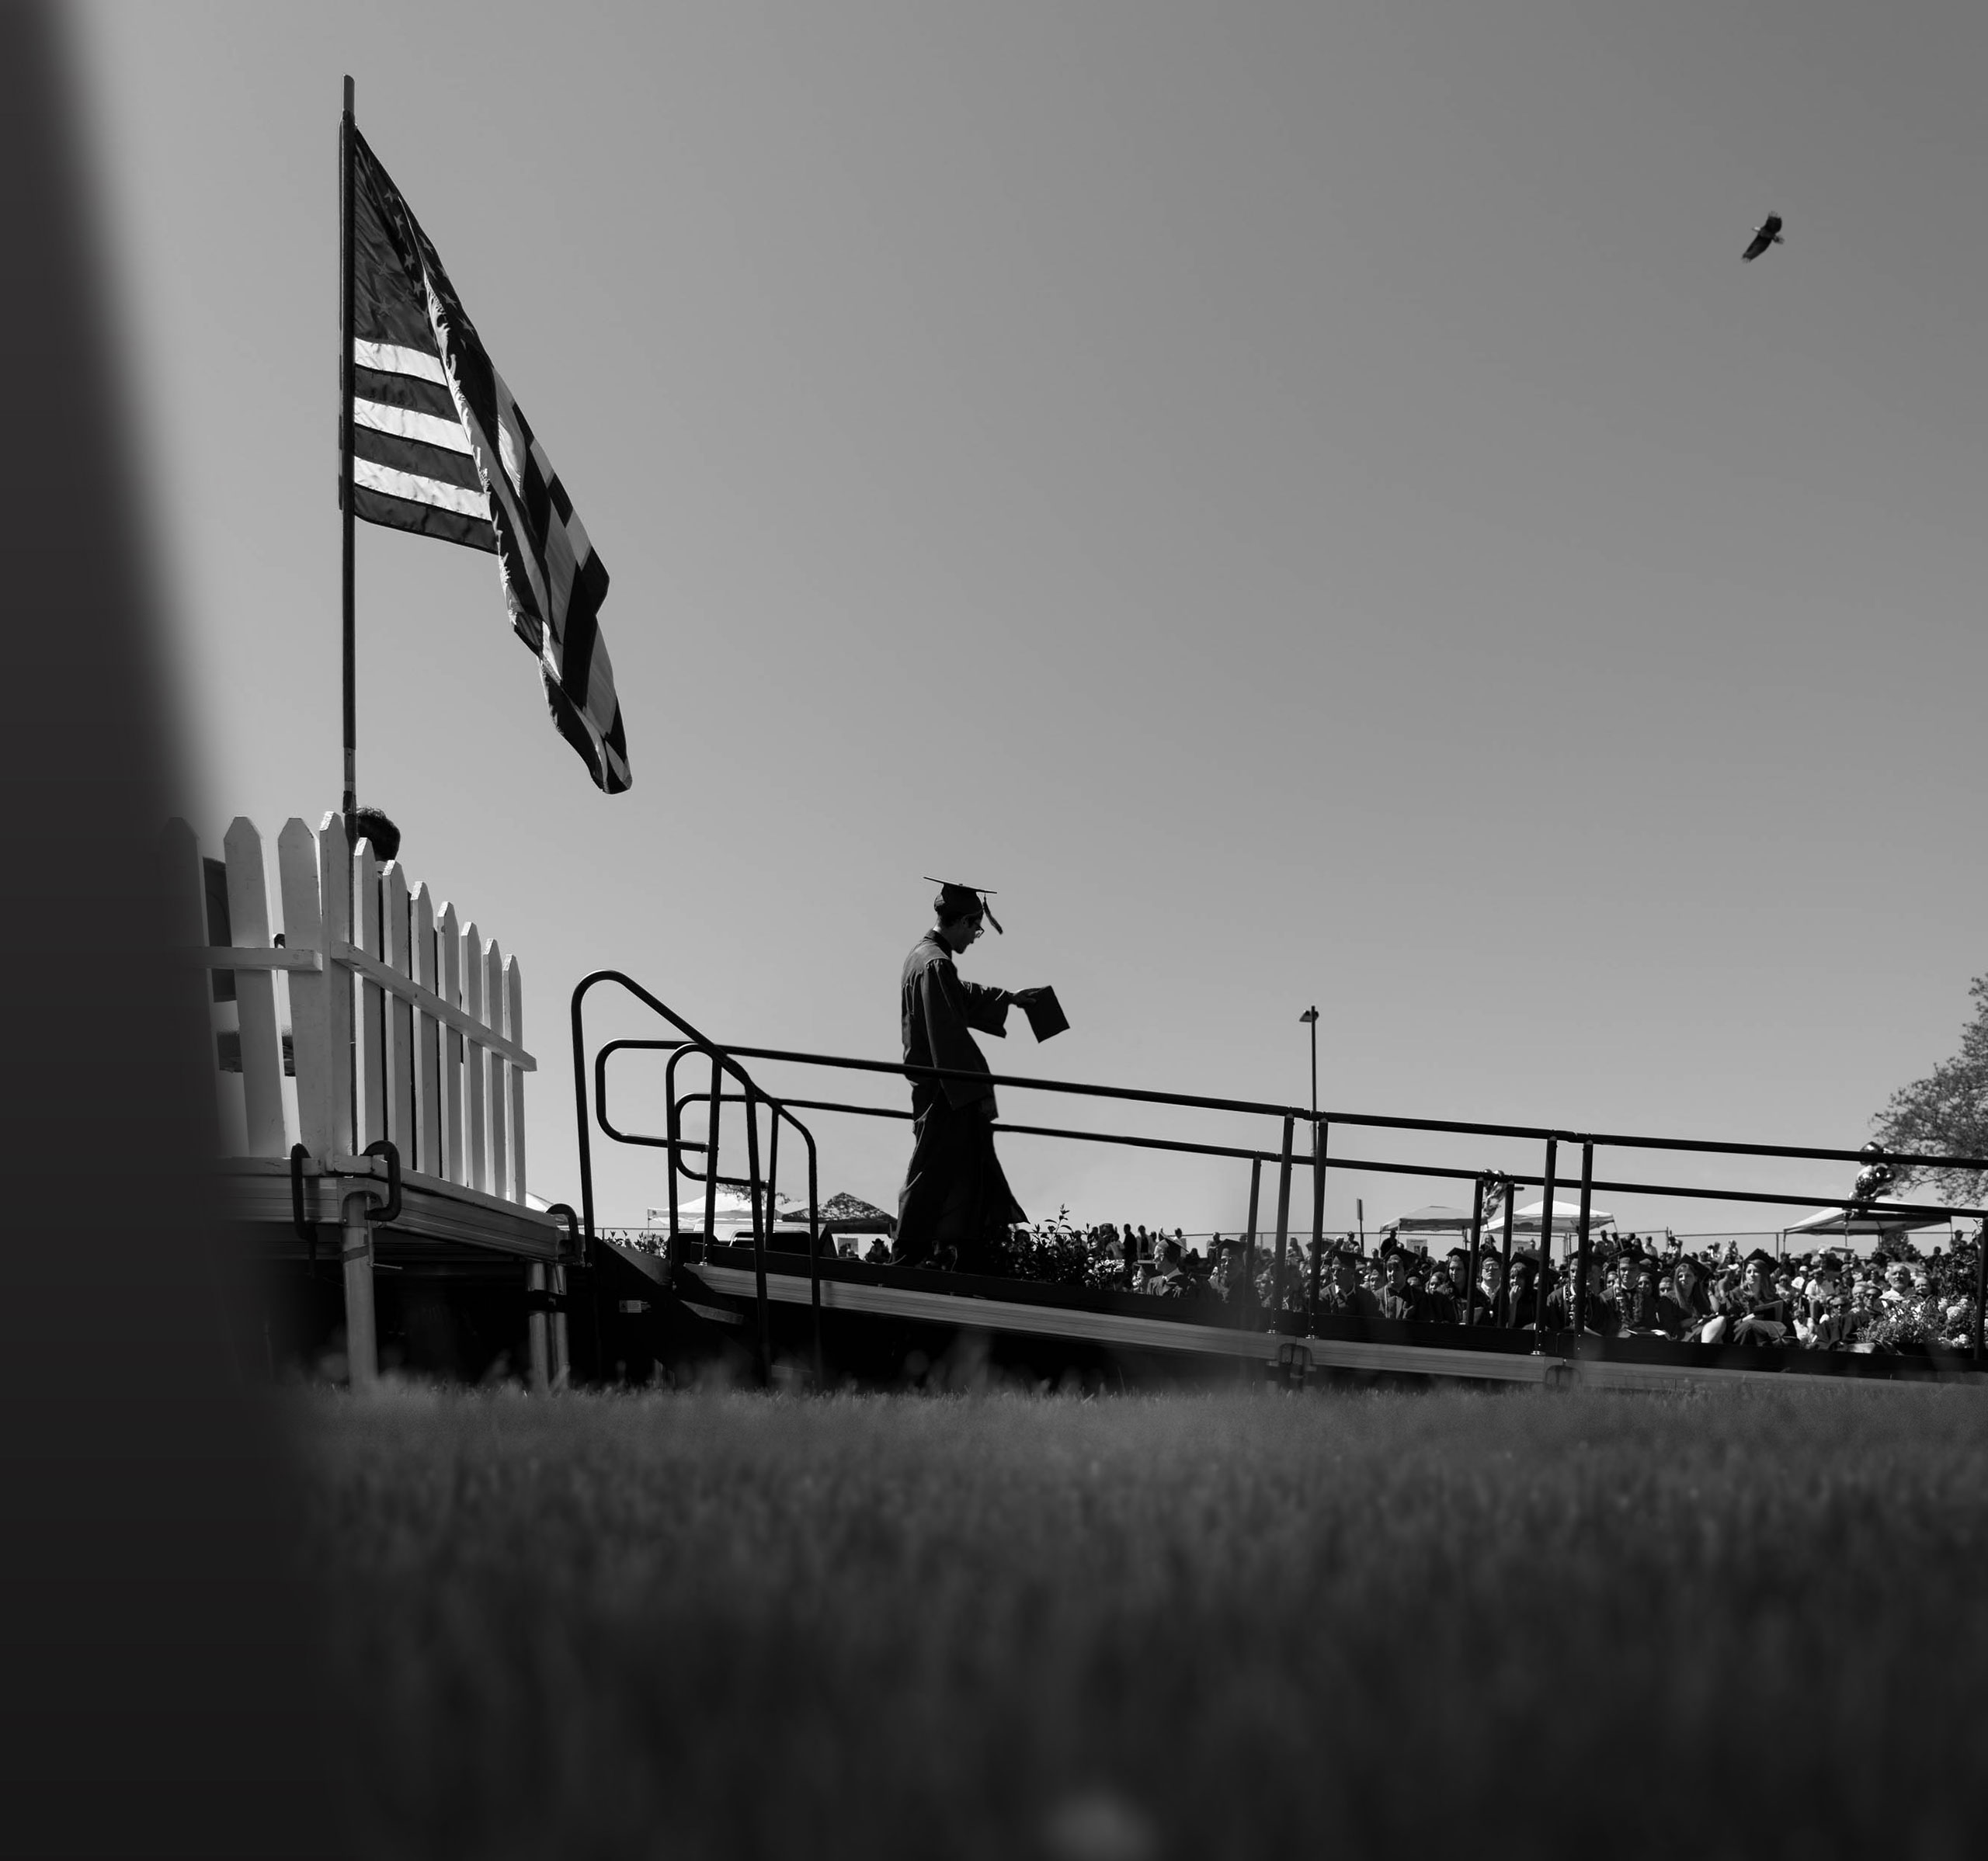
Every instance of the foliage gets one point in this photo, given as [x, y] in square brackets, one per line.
[1946, 1113]
[1062, 1253]
[700, 1626]
[1909, 1327]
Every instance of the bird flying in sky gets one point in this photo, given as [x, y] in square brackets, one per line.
[1766, 233]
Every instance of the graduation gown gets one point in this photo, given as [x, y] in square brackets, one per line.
[955, 1197]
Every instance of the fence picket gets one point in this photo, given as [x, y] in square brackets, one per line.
[394, 919]
[183, 883]
[493, 1015]
[474, 1070]
[449, 948]
[370, 1034]
[341, 986]
[255, 991]
[514, 1025]
[428, 1068]
[310, 995]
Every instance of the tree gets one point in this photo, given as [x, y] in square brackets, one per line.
[1947, 1111]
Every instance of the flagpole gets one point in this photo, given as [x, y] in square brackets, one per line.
[346, 265]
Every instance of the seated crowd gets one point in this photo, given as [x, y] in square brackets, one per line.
[1636, 1288]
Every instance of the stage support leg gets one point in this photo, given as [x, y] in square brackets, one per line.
[362, 1336]
[562, 1360]
[541, 1371]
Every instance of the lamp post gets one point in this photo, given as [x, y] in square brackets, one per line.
[1310, 1017]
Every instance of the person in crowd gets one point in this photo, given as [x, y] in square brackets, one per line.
[1684, 1312]
[1822, 1319]
[1759, 1315]
[1485, 1305]
[1346, 1297]
[1397, 1296]
[1600, 1315]
[1446, 1298]
[1520, 1309]
[1722, 1288]
[1334, 1281]
[1866, 1301]
[1636, 1298]
[1225, 1279]
[1169, 1277]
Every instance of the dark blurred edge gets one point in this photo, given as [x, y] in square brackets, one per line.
[152, 1676]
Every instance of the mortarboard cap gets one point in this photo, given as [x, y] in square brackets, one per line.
[962, 901]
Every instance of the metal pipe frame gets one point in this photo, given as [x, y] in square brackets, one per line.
[1368, 1165]
[1546, 1251]
[593, 1108]
[721, 1064]
[1536, 1133]
[1578, 1305]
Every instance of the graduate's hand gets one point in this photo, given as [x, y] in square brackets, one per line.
[1021, 997]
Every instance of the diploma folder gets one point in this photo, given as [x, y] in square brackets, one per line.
[1045, 1015]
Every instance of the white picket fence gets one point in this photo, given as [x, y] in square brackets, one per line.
[403, 1023]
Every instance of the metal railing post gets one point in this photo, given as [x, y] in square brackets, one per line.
[1578, 1305]
[1283, 1227]
[1319, 1130]
[1546, 1251]
[1476, 1242]
[710, 1155]
[1505, 1258]
[1248, 1243]
[814, 1255]
[673, 1154]
[1245, 1306]
[759, 1237]
[1980, 1284]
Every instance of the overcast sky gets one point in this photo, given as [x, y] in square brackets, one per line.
[1305, 501]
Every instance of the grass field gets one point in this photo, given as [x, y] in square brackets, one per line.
[1337, 1624]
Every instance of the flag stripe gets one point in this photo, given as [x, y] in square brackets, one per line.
[396, 358]
[409, 425]
[390, 512]
[418, 460]
[404, 390]
[417, 490]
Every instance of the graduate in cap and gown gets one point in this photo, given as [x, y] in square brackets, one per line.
[956, 1207]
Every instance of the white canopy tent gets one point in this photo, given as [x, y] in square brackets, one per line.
[731, 1210]
[1421, 1226]
[1530, 1217]
[1850, 1222]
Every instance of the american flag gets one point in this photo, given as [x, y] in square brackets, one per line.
[440, 447]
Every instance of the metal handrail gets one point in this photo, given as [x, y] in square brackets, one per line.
[721, 1062]
[1287, 1157]
[1184, 1147]
[1454, 1127]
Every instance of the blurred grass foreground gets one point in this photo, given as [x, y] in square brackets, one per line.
[1341, 1624]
